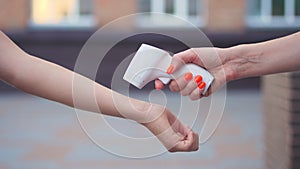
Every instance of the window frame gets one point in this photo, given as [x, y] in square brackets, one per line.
[74, 20]
[266, 19]
[181, 10]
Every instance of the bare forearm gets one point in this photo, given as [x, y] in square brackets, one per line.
[275, 56]
[53, 82]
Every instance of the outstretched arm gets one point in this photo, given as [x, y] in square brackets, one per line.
[274, 56]
[48, 80]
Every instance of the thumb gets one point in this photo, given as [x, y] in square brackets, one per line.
[179, 59]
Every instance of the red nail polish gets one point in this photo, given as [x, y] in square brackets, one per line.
[170, 69]
[188, 76]
[198, 79]
[202, 85]
[157, 88]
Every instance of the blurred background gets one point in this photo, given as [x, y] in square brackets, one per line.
[260, 122]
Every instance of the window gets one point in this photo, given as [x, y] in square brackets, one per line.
[189, 10]
[62, 13]
[273, 13]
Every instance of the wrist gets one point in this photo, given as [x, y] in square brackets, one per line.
[152, 123]
[230, 57]
[159, 123]
[162, 129]
[241, 61]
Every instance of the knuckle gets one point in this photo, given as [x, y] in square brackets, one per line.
[173, 88]
[172, 150]
[193, 97]
[191, 147]
[186, 148]
[184, 93]
[173, 83]
[176, 57]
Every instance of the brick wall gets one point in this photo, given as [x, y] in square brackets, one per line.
[220, 16]
[225, 15]
[14, 14]
[109, 10]
[282, 120]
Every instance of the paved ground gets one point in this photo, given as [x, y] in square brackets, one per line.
[36, 133]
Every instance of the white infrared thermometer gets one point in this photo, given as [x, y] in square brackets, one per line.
[150, 63]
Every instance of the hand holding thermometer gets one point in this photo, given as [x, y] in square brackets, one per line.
[150, 63]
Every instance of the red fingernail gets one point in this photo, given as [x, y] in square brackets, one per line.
[170, 69]
[157, 88]
[188, 76]
[198, 79]
[201, 85]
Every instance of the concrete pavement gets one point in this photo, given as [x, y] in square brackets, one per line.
[37, 133]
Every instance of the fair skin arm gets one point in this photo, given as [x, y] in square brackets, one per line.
[48, 80]
[274, 56]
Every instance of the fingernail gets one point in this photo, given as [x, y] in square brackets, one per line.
[170, 69]
[188, 76]
[157, 88]
[198, 79]
[201, 85]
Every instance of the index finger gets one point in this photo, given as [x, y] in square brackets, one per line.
[187, 56]
[158, 84]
